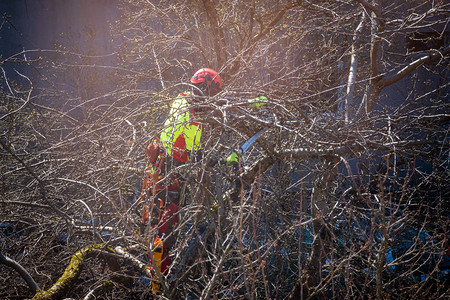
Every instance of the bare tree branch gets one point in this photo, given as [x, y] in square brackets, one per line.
[21, 270]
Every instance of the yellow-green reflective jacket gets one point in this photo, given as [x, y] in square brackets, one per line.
[182, 131]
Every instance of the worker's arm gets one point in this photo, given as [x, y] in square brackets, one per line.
[258, 102]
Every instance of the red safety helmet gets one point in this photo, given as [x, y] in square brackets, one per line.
[208, 81]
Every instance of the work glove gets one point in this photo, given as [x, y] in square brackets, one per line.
[233, 158]
[233, 161]
[258, 102]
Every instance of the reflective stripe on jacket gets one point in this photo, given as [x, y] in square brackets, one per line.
[181, 130]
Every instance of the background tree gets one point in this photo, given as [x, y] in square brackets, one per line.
[344, 196]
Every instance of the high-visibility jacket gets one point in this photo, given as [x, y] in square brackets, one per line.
[182, 131]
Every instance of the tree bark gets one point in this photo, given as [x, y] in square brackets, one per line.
[353, 68]
[217, 31]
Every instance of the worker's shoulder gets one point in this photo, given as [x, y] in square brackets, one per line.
[181, 101]
[184, 94]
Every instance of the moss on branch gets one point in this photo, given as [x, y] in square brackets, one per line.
[70, 275]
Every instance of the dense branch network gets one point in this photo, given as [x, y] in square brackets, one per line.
[327, 202]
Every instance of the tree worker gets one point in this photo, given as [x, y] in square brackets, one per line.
[179, 142]
[182, 132]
